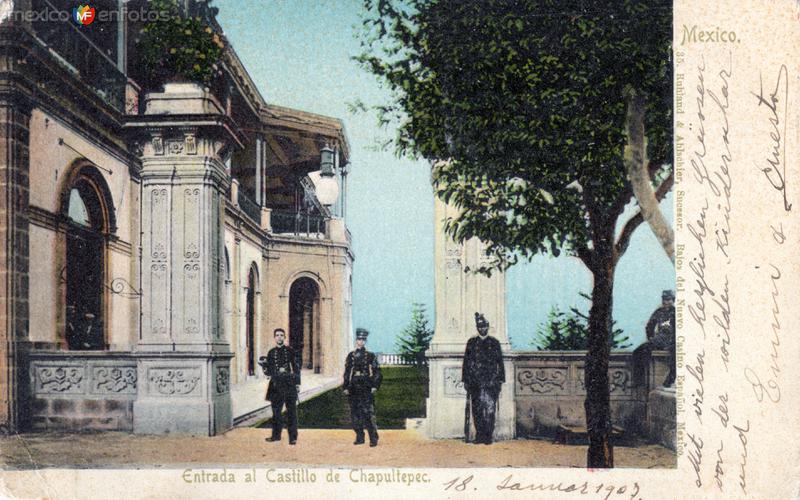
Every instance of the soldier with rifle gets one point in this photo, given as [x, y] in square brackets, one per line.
[483, 375]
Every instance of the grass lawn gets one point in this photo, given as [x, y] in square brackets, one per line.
[401, 396]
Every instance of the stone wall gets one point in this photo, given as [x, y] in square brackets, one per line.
[76, 391]
[549, 390]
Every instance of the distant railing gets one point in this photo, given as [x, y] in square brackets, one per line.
[297, 223]
[249, 207]
[96, 69]
[392, 359]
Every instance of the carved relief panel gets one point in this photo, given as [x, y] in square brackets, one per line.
[452, 382]
[174, 381]
[551, 381]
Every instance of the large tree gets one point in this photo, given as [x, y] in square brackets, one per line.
[522, 106]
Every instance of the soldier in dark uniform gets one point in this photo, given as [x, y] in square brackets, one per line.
[283, 370]
[483, 374]
[362, 377]
[660, 332]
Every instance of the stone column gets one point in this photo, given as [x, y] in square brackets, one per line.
[15, 117]
[459, 295]
[183, 355]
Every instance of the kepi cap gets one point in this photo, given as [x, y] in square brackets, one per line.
[362, 333]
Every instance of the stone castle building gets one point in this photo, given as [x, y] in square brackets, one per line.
[154, 238]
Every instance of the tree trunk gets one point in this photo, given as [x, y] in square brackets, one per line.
[597, 404]
[635, 158]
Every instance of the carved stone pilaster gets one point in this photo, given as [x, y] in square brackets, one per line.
[184, 137]
[459, 294]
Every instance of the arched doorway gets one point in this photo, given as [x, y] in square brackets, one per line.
[304, 322]
[88, 221]
[250, 321]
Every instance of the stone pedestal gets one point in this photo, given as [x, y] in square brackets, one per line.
[661, 417]
[184, 366]
[459, 295]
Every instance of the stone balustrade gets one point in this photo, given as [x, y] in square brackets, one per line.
[549, 390]
[80, 390]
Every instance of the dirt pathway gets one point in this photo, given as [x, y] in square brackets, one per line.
[398, 448]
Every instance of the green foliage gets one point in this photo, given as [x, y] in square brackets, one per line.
[521, 107]
[415, 338]
[569, 331]
[178, 47]
[522, 103]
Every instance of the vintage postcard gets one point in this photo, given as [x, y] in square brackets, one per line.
[399, 248]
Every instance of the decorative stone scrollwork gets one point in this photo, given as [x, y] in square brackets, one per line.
[192, 264]
[159, 196]
[171, 381]
[191, 194]
[453, 251]
[159, 256]
[619, 380]
[551, 381]
[223, 379]
[158, 327]
[175, 147]
[191, 327]
[59, 379]
[118, 380]
[453, 386]
[453, 264]
[191, 252]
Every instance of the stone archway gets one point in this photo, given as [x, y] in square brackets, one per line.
[304, 324]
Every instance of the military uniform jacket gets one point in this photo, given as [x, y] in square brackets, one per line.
[283, 370]
[483, 363]
[660, 328]
[361, 370]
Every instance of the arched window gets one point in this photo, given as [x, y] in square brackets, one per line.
[85, 207]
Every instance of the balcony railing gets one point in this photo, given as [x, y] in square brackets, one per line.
[249, 207]
[297, 223]
[75, 51]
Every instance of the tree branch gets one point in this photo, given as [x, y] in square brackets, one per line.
[627, 230]
[640, 173]
[585, 255]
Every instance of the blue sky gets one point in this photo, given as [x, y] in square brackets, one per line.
[299, 54]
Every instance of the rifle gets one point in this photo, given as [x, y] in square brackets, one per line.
[467, 413]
